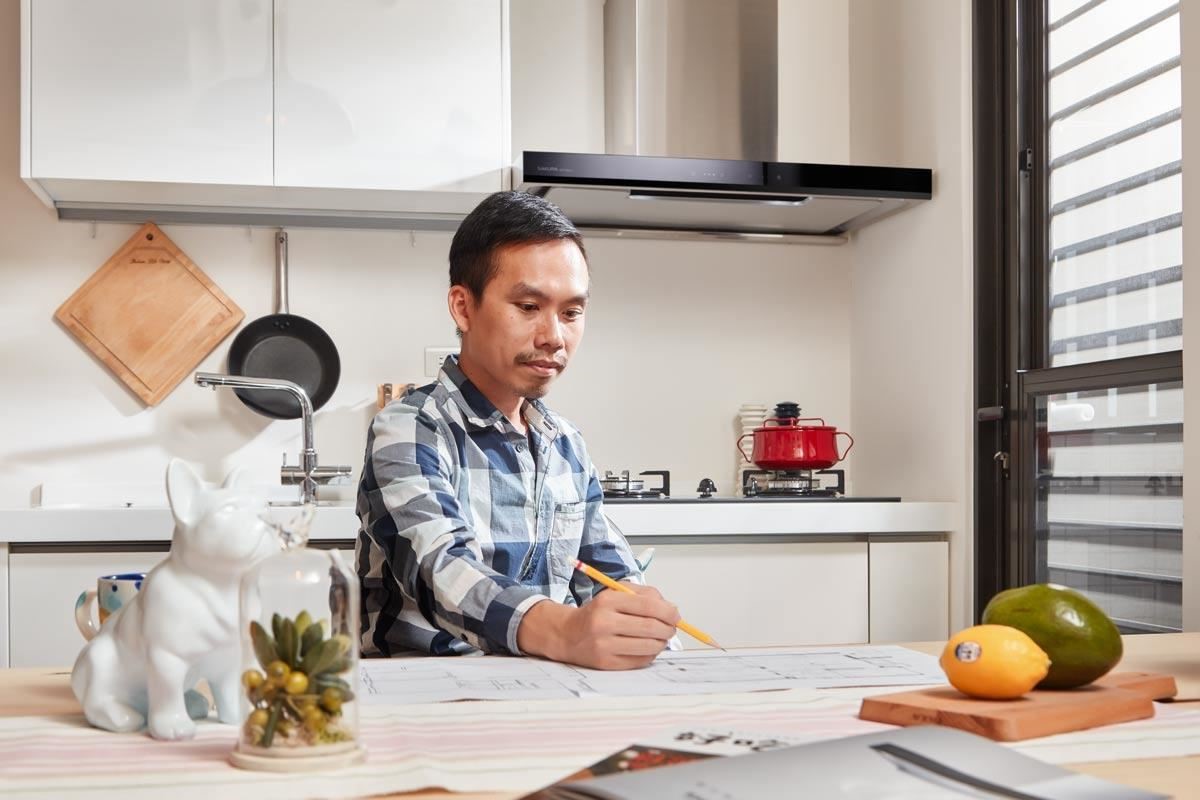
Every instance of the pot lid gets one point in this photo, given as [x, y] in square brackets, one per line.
[791, 424]
[787, 415]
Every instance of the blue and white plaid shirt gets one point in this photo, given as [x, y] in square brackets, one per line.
[463, 528]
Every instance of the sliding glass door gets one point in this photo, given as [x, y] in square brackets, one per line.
[1081, 388]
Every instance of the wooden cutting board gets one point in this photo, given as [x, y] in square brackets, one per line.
[1119, 697]
[150, 314]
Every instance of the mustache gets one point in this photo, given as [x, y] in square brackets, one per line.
[528, 358]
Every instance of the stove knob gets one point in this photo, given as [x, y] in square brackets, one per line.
[706, 488]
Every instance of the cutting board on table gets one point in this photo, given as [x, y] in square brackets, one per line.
[149, 314]
[1118, 697]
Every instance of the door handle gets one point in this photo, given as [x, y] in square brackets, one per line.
[990, 414]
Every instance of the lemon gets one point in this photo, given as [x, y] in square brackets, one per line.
[995, 662]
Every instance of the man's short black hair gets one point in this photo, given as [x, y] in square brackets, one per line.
[502, 219]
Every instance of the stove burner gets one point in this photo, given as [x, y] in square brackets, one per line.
[791, 483]
[624, 486]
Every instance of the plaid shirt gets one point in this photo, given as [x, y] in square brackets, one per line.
[463, 528]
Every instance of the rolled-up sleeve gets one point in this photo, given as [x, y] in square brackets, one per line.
[414, 517]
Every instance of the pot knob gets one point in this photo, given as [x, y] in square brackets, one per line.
[787, 410]
[706, 488]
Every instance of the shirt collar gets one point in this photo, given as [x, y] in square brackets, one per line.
[537, 415]
[480, 412]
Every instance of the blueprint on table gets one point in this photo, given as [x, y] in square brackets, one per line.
[431, 680]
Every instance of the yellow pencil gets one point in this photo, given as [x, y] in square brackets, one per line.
[601, 578]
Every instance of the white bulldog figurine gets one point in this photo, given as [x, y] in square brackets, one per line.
[183, 625]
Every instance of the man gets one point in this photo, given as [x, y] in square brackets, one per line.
[475, 500]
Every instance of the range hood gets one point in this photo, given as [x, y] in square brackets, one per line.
[659, 196]
[691, 137]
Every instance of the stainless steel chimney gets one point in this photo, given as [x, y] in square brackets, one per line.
[692, 78]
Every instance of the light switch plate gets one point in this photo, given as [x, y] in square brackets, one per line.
[434, 356]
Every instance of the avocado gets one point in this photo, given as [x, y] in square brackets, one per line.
[1082, 642]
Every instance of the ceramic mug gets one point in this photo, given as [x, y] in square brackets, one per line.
[111, 592]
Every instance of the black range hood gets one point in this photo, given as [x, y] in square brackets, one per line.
[658, 195]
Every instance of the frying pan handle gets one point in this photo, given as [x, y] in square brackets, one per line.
[281, 269]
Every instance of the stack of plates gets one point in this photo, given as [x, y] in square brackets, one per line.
[750, 416]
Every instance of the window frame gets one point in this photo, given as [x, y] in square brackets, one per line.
[1012, 297]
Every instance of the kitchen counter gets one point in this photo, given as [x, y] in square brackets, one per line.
[712, 521]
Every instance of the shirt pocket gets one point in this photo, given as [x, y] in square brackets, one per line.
[565, 536]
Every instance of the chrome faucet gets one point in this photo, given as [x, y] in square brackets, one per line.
[307, 473]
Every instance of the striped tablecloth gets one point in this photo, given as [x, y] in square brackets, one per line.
[482, 746]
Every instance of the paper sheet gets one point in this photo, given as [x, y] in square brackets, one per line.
[430, 680]
[437, 680]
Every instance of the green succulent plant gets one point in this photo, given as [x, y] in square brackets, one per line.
[300, 686]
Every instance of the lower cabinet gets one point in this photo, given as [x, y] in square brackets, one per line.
[762, 594]
[746, 594]
[910, 591]
[42, 592]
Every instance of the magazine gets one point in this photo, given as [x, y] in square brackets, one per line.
[924, 762]
[668, 748]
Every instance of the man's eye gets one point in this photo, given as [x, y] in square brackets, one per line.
[527, 306]
[573, 313]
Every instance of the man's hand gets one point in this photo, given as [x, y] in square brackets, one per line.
[613, 630]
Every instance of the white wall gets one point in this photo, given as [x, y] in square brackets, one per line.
[814, 81]
[911, 357]
[1189, 32]
[557, 63]
[680, 334]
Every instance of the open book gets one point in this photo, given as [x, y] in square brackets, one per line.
[919, 762]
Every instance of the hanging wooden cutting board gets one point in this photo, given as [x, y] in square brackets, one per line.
[150, 314]
[1119, 697]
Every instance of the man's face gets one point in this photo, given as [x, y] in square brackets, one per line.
[520, 335]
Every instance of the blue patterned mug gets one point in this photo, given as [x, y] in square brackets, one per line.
[111, 592]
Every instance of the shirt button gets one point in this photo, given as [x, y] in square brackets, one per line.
[520, 448]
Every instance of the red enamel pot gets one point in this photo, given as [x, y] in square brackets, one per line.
[789, 443]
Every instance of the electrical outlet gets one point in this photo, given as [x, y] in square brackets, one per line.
[434, 356]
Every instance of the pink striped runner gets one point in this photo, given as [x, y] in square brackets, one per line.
[481, 746]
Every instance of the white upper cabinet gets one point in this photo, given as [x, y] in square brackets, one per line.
[391, 94]
[150, 90]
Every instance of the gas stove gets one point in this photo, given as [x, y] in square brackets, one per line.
[792, 483]
[625, 487]
[758, 486]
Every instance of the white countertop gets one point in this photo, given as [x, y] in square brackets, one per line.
[338, 522]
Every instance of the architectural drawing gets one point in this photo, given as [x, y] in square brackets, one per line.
[432, 680]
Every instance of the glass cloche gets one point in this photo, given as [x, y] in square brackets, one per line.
[299, 622]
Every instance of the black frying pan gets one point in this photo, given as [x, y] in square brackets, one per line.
[285, 346]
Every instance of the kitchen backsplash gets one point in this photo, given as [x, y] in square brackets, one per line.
[679, 336]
